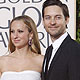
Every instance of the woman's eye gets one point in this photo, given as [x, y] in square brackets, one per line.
[20, 31]
[12, 31]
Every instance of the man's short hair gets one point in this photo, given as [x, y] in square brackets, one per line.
[57, 3]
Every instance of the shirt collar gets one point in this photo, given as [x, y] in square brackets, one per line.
[58, 42]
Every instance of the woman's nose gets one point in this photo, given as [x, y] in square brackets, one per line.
[16, 35]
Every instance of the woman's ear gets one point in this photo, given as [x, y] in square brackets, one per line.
[30, 38]
[31, 34]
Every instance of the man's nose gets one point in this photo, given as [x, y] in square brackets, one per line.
[53, 21]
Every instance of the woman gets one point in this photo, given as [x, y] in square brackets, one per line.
[25, 60]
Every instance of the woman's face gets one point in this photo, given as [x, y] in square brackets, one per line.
[19, 34]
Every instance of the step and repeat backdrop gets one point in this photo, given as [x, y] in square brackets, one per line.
[33, 8]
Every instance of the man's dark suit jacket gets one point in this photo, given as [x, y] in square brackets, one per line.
[66, 62]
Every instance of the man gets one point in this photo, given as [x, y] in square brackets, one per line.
[64, 63]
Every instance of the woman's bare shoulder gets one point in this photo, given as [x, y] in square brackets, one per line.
[39, 56]
[39, 59]
[4, 58]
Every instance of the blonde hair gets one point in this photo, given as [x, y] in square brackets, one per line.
[35, 47]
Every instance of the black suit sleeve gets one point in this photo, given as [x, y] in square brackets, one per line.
[74, 64]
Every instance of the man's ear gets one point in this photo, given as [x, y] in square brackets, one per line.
[67, 20]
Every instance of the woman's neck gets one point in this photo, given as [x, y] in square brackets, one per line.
[22, 51]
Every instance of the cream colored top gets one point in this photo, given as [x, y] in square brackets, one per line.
[24, 75]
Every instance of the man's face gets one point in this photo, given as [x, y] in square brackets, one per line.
[54, 21]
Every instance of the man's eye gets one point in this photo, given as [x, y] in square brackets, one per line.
[47, 17]
[58, 17]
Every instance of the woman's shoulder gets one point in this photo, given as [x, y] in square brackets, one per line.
[5, 58]
[39, 57]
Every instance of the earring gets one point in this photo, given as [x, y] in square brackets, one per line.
[30, 41]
